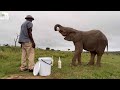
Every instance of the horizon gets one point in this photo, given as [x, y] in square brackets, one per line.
[44, 34]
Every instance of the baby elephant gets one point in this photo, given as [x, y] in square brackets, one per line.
[94, 41]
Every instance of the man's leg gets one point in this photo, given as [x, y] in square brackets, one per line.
[23, 66]
[31, 55]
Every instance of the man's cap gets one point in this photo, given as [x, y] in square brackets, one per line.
[29, 17]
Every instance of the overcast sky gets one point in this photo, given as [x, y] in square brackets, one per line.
[43, 30]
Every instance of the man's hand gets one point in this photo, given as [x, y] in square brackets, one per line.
[30, 36]
[33, 45]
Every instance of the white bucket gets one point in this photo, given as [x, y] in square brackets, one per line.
[45, 66]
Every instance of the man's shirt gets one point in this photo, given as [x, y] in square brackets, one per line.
[24, 37]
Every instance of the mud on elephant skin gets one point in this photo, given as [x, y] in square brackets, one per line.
[93, 41]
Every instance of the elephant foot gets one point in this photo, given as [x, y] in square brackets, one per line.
[98, 65]
[80, 63]
[73, 64]
[90, 63]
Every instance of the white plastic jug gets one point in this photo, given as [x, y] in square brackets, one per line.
[45, 66]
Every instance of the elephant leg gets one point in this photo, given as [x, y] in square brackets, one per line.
[99, 59]
[79, 59]
[91, 62]
[77, 55]
[74, 58]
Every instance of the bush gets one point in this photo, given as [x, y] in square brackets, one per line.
[47, 48]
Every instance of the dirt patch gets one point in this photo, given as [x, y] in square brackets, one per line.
[24, 76]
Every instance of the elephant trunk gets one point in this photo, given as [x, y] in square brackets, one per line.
[57, 25]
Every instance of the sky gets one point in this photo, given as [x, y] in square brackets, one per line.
[43, 27]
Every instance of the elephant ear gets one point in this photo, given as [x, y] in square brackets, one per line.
[70, 36]
[74, 36]
[78, 36]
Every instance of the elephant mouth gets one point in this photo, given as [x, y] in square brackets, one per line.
[64, 35]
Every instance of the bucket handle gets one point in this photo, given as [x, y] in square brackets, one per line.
[46, 62]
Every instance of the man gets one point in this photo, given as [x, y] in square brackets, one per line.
[27, 44]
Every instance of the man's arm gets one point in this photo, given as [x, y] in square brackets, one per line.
[31, 37]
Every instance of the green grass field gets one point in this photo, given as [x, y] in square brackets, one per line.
[10, 58]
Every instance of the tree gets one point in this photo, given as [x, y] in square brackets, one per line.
[68, 49]
[15, 39]
[52, 50]
[47, 48]
[6, 45]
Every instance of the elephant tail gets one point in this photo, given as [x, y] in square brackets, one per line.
[107, 48]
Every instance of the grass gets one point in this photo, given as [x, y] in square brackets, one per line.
[10, 58]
